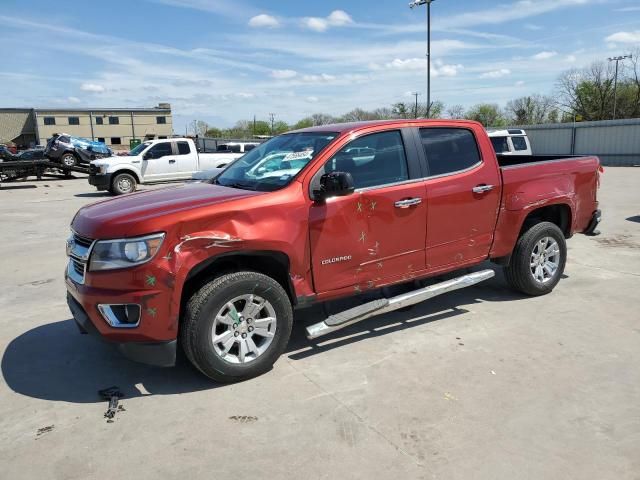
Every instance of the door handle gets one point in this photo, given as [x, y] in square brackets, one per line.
[172, 161]
[409, 202]
[482, 188]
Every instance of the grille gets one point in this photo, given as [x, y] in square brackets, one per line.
[84, 241]
[78, 266]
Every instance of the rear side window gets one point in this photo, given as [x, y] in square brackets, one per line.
[385, 161]
[519, 143]
[500, 144]
[449, 150]
[183, 148]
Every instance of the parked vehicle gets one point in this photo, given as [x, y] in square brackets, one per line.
[31, 154]
[219, 267]
[228, 152]
[5, 154]
[71, 151]
[153, 161]
[513, 141]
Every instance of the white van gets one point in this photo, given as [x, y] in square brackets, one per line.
[512, 141]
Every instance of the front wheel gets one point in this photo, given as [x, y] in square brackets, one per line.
[69, 160]
[538, 260]
[123, 183]
[236, 326]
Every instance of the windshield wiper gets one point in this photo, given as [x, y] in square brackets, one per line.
[242, 186]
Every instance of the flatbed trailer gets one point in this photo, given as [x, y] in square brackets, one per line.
[16, 169]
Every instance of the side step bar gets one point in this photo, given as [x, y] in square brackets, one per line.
[385, 305]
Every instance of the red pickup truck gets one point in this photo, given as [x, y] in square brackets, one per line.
[314, 215]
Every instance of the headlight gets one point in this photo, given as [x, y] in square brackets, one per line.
[125, 252]
[102, 169]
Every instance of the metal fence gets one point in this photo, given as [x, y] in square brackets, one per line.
[616, 142]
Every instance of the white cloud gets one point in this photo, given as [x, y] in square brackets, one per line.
[264, 20]
[544, 55]
[337, 18]
[628, 9]
[533, 27]
[92, 87]
[315, 23]
[312, 99]
[570, 58]
[322, 78]
[496, 73]
[438, 68]
[283, 74]
[624, 37]
[73, 100]
[519, 83]
[244, 95]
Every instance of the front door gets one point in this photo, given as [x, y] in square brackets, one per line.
[463, 197]
[377, 234]
[158, 162]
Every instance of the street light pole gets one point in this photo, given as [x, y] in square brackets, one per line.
[615, 80]
[417, 3]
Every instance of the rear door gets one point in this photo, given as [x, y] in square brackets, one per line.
[186, 160]
[463, 197]
[377, 234]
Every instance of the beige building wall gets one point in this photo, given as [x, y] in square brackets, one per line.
[127, 124]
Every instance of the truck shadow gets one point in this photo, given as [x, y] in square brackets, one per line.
[54, 362]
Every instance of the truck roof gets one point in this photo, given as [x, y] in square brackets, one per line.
[353, 126]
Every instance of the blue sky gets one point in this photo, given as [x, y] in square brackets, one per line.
[225, 60]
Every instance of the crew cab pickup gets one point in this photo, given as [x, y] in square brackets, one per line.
[314, 215]
[154, 161]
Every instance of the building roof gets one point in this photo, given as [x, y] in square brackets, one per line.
[88, 110]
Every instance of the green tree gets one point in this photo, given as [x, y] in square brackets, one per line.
[488, 114]
[304, 123]
[280, 127]
[529, 110]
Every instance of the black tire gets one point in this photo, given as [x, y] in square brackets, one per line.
[119, 182]
[519, 274]
[204, 305]
[68, 159]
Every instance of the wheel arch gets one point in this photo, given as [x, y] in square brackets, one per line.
[272, 263]
[559, 214]
[126, 170]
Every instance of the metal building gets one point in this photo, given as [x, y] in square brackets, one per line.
[114, 126]
[616, 142]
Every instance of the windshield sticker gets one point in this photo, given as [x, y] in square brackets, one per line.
[298, 155]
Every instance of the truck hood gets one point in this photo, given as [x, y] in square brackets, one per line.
[153, 211]
[116, 160]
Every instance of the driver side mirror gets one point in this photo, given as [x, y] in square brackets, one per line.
[148, 156]
[334, 184]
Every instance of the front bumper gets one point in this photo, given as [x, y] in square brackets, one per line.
[596, 218]
[100, 181]
[160, 353]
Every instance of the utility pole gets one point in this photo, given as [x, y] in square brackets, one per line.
[415, 94]
[273, 117]
[254, 126]
[615, 80]
[417, 3]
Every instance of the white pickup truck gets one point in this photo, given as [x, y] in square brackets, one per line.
[155, 161]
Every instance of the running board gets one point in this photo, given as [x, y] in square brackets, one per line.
[385, 305]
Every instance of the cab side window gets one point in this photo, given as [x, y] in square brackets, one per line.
[449, 150]
[183, 148]
[160, 150]
[372, 160]
[519, 143]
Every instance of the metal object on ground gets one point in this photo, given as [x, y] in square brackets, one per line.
[378, 307]
[113, 394]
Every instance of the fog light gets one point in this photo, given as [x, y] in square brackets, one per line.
[121, 315]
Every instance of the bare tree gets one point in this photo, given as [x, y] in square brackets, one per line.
[588, 92]
[456, 112]
[529, 110]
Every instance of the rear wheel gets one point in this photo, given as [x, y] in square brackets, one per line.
[538, 260]
[236, 326]
[69, 160]
[123, 183]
